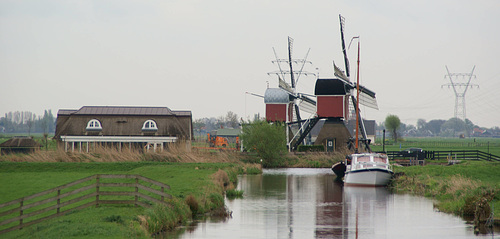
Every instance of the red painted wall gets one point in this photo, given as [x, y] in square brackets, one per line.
[331, 106]
[276, 112]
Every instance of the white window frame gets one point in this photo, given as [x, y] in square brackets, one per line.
[150, 125]
[94, 125]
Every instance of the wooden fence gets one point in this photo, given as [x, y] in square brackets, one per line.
[441, 155]
[80, 194]
[462, 155]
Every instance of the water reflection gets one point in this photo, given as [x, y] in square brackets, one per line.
[309, 203]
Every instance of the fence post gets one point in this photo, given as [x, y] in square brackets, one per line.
[20, 214]
[136, 190]
[97, 191]
[58, 200]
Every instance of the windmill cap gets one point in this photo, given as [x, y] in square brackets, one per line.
[276, 96]
[330, 87]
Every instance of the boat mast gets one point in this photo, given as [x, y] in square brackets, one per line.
[357, 102]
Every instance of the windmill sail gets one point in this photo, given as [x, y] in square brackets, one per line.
[346, 61]
[339, 73]
[307, 104]
[367, 97]
[368, 100]
[285, 86]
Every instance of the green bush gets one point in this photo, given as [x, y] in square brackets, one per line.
[268, 140]
[311, 148]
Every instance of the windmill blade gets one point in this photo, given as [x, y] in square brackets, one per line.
[346, 61]
[305, 103]
[366, 90]
[250, 93]
[368, 100]
[307, 106]
[285, 86]
[339, 73]
[367, 97]
[290, 47]
[304, 98]
[297, 113]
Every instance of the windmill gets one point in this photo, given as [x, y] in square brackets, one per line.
[334, 99]
[297, 101]
[364, 96]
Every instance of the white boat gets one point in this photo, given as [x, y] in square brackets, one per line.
[368, 169]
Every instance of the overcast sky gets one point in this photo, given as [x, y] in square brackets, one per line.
[204, 55]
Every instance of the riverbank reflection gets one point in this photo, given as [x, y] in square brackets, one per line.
[309, 203]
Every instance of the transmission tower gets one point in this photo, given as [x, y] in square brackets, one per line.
[460, 88]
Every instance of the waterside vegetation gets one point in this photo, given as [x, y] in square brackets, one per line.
[458, 189]
[197, 189]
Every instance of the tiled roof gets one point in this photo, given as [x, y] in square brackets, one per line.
[124, 110]
[66, 112]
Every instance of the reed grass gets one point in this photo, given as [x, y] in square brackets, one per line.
[177, 152]
[457, 189]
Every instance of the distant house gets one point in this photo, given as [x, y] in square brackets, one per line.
[19, 144]
[229, 134]
[118, 126]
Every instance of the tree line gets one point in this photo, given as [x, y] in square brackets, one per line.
[454, 127]
[28, 122]
[231, 120]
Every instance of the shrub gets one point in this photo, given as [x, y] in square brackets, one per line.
[267, 140]
[311, 148]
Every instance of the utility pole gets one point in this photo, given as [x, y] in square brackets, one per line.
[460, 89]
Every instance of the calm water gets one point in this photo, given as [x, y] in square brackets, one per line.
[308, 203]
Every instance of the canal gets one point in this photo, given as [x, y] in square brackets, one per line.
[309, 203]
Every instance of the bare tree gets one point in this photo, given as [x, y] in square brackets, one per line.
[29, 118]
[231, 119]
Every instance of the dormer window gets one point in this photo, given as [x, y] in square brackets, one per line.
[149, 125]
[94, 125]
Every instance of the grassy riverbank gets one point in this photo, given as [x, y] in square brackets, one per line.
[192, 184]
[457, 188]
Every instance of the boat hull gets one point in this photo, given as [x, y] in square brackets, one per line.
[339, 169]
[375, 177]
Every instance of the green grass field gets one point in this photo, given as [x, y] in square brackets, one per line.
[491, 145]
[23, 179]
